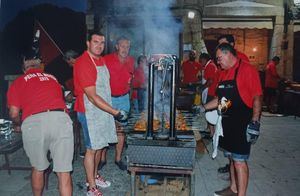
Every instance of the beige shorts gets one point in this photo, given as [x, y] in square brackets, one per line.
[49, 131]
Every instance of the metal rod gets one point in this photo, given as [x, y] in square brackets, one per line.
[149, 133]
[172, 135]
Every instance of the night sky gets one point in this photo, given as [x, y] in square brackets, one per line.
[10, 8]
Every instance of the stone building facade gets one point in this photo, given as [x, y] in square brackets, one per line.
[262, 28]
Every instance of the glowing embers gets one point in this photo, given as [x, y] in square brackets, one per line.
[181, 124]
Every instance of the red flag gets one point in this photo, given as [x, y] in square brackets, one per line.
[48, 48]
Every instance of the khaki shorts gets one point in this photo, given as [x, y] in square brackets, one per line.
[49, 131]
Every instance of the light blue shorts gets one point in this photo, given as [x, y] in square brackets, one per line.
[235, 156]
[121, 103]
[86, 137]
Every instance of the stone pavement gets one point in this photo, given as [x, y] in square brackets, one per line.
[274, 167]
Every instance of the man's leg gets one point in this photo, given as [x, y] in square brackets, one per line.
[268, 99]
[274, 101]
[37, 182]
[232, 173]
[64, 183]
[89, 165]
[232, 189]
[122, 103]
[103, 155]
[211, 129]
[141, 99]
[120, 144]
[103, 159]
[242, 176]
[98, 156]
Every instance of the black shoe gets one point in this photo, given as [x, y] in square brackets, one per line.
[224, 169]
[121, 165]
[101, 165]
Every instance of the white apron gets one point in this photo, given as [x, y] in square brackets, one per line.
[101, 125]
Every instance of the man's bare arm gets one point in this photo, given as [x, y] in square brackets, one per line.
[14, 114]
[257, 103]
[213, 104]
[99, 101]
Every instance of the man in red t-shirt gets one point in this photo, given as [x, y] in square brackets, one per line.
[239, 82]
[139, 84]
[191, 70]
[271, 83]
[228, 38]
[209, 82]
[70, 58]
[121, 67]
[94, 110]
[45, 124]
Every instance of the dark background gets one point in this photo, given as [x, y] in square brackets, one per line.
[65, 26]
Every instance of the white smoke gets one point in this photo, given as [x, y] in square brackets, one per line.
[159, 26]
[157, 32]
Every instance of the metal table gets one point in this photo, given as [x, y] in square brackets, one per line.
[135, 168]
[175, 169]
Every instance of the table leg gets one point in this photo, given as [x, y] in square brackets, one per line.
[165, 185]
[133, 183]
[192, 185]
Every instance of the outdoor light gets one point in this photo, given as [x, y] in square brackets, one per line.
[191, 14]
[254, 49]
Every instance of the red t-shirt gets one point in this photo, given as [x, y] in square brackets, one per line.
[69, 84]
[190, 70]
[272, 76]
[210, 71]
[248, 81]
[85, 75]
[242, 56]
[35, 92]
[120, 73]
[138, 78]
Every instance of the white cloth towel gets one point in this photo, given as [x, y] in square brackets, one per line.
[218, 130]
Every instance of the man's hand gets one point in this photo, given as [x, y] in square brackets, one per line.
[252, 132]
[121, 117]
[17, 128]
[198, 109]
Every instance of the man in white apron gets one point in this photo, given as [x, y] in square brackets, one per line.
[93, 106]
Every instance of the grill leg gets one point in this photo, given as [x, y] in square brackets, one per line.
[192, 185]
[132, 179]
[165, 185]
[7, 165]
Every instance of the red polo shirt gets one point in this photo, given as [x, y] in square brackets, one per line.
[210, 71]
[190, 70]
[85, 75]
[138, 78]
[248, 81]
[35, 92]
[242, 56]
[272, 76]
[120, 73]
